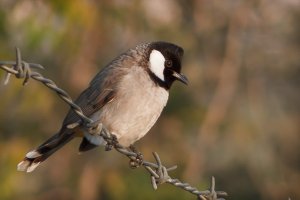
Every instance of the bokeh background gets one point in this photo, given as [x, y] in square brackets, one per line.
[238, 120]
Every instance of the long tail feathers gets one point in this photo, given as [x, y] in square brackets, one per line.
[35, 157]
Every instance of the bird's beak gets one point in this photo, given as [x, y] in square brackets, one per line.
[180, 77]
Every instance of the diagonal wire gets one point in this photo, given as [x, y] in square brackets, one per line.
[158, 172]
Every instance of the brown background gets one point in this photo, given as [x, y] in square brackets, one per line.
[237, 120]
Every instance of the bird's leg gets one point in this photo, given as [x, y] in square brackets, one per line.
[137, 160]
[111, 142]
[111, 139]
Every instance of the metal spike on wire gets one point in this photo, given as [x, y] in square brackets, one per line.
[158, 172]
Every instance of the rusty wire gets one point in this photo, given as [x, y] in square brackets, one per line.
[158, 172]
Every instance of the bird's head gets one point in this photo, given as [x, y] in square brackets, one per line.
[164, 63]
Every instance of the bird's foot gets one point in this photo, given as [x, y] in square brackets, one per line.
[111, 143]
[137, 160]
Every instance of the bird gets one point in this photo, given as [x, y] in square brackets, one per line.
[127, 97]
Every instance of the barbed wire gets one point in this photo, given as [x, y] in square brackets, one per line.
[158, 172]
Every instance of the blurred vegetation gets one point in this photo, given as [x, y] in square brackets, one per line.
[238, 120]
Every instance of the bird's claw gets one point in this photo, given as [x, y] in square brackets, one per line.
[111, 143]
[137, 160]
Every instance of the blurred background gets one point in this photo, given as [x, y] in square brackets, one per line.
[238, 120]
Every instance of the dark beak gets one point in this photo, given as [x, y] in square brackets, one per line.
[180, 77]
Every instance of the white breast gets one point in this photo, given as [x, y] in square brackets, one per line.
[137, 105]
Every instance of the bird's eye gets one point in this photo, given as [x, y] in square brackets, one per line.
[168, 63]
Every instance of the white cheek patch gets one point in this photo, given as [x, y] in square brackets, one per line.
[157, 64]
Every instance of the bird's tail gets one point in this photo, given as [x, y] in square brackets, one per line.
[35, 157]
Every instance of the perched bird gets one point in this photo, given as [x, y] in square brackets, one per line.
[127, 97]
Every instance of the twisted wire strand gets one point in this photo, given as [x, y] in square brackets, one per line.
[158, 172]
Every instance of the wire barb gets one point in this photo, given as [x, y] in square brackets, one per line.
[158, 172]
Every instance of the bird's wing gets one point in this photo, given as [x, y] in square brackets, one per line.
[102, 89]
